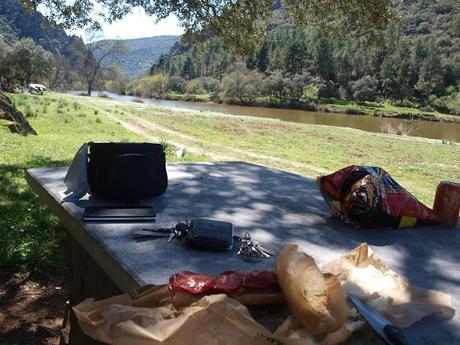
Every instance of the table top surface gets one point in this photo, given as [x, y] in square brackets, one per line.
[275, 207]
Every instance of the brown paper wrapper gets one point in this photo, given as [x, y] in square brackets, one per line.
[364, 274]
[218, 319]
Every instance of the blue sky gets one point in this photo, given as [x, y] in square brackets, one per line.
[135, 25]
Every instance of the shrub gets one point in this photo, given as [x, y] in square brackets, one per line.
[150, 86]
[400, 129]
[29, 112]
[168, 148]
[239, 83]
[310, 93]
[62, 103]
[453, 104]
[427, 109]
[364, 89]
[177, 84]
[194, 87]
[440, 104]
[209, 84]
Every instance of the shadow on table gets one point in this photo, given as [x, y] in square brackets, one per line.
[261, 197]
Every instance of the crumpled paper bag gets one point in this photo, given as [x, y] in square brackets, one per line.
[215, 319]
[218, 319]
[363, 273]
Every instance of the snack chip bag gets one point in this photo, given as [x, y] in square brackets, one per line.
[364, 196]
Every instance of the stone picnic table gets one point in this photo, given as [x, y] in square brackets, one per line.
[275, 207]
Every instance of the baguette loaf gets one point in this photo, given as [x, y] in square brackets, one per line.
[183, 299]
[316, 299]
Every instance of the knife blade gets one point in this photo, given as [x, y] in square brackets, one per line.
[392, 334]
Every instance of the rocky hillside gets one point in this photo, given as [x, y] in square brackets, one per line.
[141, 53]
[15, 24]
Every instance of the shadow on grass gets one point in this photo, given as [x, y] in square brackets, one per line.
[31, 238]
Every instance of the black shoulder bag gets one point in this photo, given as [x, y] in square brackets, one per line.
[126, 171]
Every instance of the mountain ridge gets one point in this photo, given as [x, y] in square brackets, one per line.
[16, 23]
[141, 53]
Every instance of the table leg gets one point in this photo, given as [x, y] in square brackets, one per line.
[87, 279]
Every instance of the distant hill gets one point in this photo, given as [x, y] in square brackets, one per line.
[15, 23]
[141, 53]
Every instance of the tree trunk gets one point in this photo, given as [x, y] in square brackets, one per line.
[90, 87]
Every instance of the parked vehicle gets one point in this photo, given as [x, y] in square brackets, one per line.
[37, 88]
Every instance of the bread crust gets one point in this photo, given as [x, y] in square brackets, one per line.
[316, 299]
[183, 299]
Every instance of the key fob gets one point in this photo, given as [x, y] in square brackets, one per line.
[208, 234]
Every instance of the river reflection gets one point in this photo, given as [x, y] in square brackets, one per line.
[427, 129]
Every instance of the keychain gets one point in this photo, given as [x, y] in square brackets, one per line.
[249, 249]
[178, 231]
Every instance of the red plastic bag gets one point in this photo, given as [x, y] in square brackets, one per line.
[365, 196]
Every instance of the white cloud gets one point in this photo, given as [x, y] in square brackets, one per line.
[136, 25]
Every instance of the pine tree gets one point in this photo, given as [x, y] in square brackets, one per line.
[187, 69]
[322, 58]
[294, 57]
[262, 57]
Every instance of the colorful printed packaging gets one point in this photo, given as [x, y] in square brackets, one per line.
[364, 196]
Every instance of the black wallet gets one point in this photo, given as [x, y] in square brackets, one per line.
[210, 234]
[108, 213]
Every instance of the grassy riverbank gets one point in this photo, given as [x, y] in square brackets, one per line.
[329, 105]
[31, 238]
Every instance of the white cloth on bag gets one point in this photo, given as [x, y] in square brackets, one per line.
[76, 178]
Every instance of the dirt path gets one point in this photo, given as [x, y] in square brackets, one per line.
[26, 306]
[145, 128]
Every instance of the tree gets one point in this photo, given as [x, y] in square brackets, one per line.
[364, 89]
[158, 84]
[58, 72]
[176, 84]
[3, 54]
[27, 62]
[296, 84]
[275, 84]
[295, 57]
[93, 60]
[430, 79]
[262, 57]
[194, 87]
[116, 81]
[240, 83]
[150, 86]
[240, 23]
[322, 57]
[160, 65]
[187, 69]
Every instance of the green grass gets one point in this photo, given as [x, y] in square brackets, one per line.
[417, 163]
[371, 107]
[174, 96]
[31, 238]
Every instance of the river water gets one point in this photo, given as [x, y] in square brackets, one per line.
[427, 129]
